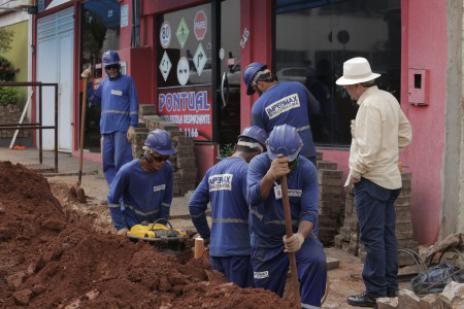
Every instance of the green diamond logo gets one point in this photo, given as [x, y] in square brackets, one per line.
[182, 32]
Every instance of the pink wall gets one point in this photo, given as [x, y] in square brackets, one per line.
[256, 18]
[427, 49]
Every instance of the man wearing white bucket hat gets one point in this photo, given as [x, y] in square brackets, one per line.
[378, 132]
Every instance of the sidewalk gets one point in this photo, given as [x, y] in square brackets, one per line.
[93, 182]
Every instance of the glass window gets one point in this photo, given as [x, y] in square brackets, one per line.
[325, 33]
[180, 38]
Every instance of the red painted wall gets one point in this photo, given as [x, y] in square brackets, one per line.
[256, 17]
[427, 49]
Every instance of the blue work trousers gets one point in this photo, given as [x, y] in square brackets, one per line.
[270, 268]
[237, 269]
[116, 151]
[377, 218]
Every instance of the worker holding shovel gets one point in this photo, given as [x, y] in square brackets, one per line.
[272, 250]
[119, 113]
[224, 185]
[144, 185]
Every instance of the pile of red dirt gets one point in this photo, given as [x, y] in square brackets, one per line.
[50, 259]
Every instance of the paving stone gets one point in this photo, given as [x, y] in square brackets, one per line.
[407, 299]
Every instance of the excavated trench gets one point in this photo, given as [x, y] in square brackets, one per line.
[52, 258]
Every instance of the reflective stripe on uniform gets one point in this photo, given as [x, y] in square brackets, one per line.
[165, 205]
[113, 111]
[114, 205]
[306, 306]
[229, 220]
[280, 222]
[256, 213]
[197, 216]
[303, 128]
[141, 213]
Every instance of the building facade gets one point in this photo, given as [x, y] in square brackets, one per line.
[187, 57]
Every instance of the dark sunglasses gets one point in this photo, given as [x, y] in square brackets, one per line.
[160, 158]
[112, 67]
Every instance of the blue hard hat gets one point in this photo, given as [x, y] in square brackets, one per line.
[256, 133]
[110, 57]
[250, 73]
[284, 140]
[160, 141]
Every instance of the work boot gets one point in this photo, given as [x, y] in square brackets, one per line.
[392, 293]
[362, 300]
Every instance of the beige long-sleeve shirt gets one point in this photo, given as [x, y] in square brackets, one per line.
[378, 132]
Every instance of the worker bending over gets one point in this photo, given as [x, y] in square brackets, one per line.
[268, 242]
[144, 185]
[224, 185]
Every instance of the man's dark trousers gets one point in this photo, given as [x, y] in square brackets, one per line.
[377, 217]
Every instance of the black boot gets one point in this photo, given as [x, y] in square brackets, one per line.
[362, 300]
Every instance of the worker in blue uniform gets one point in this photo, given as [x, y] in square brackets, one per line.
[224, 185]
[281, 103]
[119, 114]
[144, 185]
[268, 241]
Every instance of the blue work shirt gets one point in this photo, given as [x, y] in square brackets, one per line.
[267, 216]
[287, 103]
[148, 194]
[119, 105]
[224, 185]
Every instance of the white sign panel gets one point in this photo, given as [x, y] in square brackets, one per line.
[199, 59]
[165, 34]
[183, 71]
[182, 32]
[200, 25]
[124, 19]
[165, 66]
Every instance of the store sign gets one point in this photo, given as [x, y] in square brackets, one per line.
[182, 32]
[199, 59]
[200, 25]
[190, 109]
[165, 35]
[183, 71]
[165, 66]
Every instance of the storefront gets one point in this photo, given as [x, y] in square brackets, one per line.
[200, 45]
[187, 57]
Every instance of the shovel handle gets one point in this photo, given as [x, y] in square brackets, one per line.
[82, 130]
[289, 232]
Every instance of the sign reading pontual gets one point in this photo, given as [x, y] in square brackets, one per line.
[189, 108]
[200, 25]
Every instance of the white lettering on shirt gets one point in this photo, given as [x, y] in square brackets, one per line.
[159, 188]
[294, 193]
[220, 182]
[283, 105]
[260, 274]
[116, 92]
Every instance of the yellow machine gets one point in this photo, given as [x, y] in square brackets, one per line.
[155, 231]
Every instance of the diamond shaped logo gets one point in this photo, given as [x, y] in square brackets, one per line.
[165, 66]
[199, 59]
[182, 32]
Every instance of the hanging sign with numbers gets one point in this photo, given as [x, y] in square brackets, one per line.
[165, 35]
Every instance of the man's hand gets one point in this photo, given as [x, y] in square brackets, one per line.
[122, 231]
[279, 167]
[130, 134]
[293, 243]
[87, 73]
